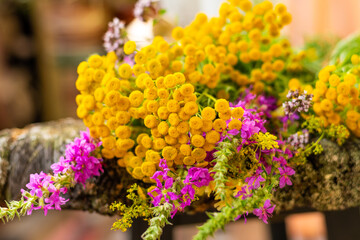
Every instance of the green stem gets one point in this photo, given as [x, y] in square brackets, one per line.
[17, 208]
[315, 143]
[210, 97]
[202, 95]
[162, 213]
[229, 213]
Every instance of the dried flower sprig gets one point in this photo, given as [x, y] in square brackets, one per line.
[115, 38]
[299, 139]
[298, 102]
[146, 9]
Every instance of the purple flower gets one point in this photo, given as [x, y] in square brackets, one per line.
[62, 166]
[251, 124]
[156, 198]
[232, 132]
[198, 177]
[45, 208]
[267, 168]
[210, 156]
[280, 160]
[78, 158]
[164, 190]
[39, 182]
[289, 153]
[245, 99]
[160, 195]
[55, 201]
[267, 104]
[245, 192]
[244, 215]
[255, 179]
[173, 196]
[284, 178]
[297, 103]
[187, 194]
[161, 188]
[264, 212]
[163, 174]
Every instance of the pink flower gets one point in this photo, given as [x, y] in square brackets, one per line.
[255, 179]
[160, 187]
[55, 201]
[264, 212]
[39, 182]
[245, 192]
[198, 177]
[78, 158]
[244, 215]
[284, 178]
[280, 160]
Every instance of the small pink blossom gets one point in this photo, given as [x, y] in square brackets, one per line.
[284, 176]
[264, 212]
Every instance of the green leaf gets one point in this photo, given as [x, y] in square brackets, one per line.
[345, 49]
[162, 11]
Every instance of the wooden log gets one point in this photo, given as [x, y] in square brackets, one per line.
[330, 181]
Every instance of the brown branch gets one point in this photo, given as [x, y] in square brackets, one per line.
[327, 182]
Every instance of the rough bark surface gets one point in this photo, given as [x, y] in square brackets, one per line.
[330, 181]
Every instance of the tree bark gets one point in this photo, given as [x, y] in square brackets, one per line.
[330, 181]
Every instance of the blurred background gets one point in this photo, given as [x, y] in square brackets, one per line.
[41, 44]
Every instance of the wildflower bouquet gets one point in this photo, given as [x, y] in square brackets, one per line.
[190, 119]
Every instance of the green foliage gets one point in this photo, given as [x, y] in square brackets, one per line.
[313, 124]
[318, 149]
[221, 168]
[161, 214]
[345, 49]
[139, 208]
[338, 132]
[218, 220]
[18, 208]
[162, 11]
[318, 50]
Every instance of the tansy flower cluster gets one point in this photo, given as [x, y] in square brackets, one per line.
[174, 126]
[116, 106]
[242, 44]
[336, 96]
[152, 109]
